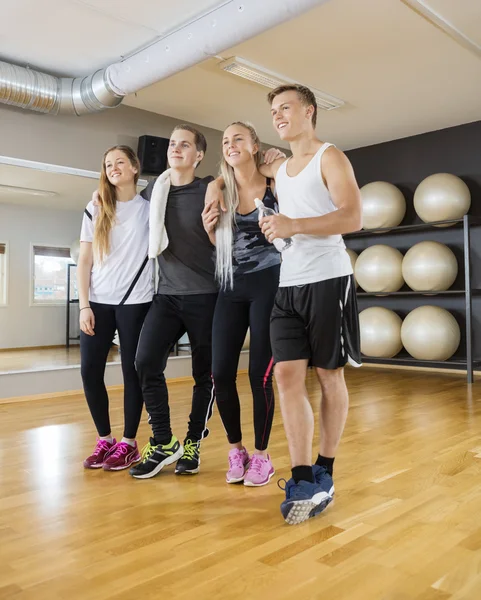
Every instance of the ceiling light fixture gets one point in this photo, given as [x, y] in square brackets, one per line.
[22, 191]
[269, 79]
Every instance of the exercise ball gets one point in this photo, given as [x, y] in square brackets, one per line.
[75, 251]
[441, 197]
[380, 332]
[383, 205]
[430, 333]
[429, 267]
[379, 269]
[247, 340]
[353, 257]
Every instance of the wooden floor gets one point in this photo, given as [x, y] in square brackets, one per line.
[405, 525]
[37, 359]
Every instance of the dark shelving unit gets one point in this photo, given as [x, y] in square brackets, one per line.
[70, 302]
[464, 357]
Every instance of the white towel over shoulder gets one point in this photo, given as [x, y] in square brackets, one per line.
[158, 240]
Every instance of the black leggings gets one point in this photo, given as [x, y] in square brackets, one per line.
[127, 320]
[249, 305]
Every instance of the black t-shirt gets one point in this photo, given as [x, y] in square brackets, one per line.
[187, 265]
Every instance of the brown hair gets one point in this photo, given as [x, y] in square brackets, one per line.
[199, 138]
[305, 95]
[108, 202]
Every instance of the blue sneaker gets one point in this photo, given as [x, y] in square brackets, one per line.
[322, 478]
[304, 499]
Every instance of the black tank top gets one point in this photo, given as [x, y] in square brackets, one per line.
[251, 251]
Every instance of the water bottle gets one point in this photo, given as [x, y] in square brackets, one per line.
[264, 211]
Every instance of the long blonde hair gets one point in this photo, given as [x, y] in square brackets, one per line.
[224, 230]
[108, 203]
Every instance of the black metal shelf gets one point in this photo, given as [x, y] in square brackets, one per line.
[405, 359]
[415, 293]
[436, 225]
[465, 223]
[68, 337]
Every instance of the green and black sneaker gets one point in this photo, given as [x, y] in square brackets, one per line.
[189, 463]
[156, 457]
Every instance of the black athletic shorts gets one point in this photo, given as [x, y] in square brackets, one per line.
[318, 322]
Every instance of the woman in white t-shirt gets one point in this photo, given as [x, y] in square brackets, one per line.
[114, 278]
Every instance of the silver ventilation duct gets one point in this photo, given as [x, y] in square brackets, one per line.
[33, 90]
[229, 24]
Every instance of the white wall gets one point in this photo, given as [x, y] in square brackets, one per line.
[81, 141]
[20, 323]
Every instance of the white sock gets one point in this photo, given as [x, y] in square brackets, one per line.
[129, 442]
[107, 438]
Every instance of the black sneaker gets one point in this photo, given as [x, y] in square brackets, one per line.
[156, 457]
[189, 463]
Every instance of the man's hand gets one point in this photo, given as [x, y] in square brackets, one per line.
[277, 226]
[214, 195]
[96, 198]
[210, 217]
[271, 155]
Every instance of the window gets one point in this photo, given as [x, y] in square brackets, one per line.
[3, 274]
[50, 267]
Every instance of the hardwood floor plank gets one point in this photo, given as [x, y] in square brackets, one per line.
[404, 524]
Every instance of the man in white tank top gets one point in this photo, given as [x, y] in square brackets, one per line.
[315, 320]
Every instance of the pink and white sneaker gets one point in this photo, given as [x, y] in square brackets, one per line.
[260, 471]
[96, 459]
[238, 463]
[121, 456]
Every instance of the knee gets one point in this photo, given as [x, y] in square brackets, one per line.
[144, 364]
[223, 377]
[286, 375]
[91, 371]
[330, 378]
[259, 379]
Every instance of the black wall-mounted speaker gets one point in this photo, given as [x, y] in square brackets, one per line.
[152, 153]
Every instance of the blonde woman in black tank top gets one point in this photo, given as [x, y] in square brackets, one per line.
[248, 273]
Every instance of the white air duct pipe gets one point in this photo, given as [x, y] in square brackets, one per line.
[231, 23]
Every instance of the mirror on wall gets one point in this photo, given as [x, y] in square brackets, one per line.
[41, 210]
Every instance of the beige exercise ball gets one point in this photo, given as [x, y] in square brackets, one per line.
[379, 269]
[383, 205]
[429, 267]
[430, 333]
[353, 256]
[380, 332]
[75, 251]
[441, 197]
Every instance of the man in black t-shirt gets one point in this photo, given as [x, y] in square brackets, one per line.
[184, 303]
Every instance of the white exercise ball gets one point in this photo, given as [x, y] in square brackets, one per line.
[383, 205]
[380, 330]
[442, 197]
[75, 251]
[430, 333]
[353, 257]
[379, 269]
[429, 267]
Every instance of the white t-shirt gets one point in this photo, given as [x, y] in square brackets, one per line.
[311, 258]
[129, 243]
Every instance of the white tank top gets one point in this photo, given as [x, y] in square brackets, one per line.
[311, 258]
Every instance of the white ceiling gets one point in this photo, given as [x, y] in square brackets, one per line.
[398, 74]
[72, 188]
[76, 37]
